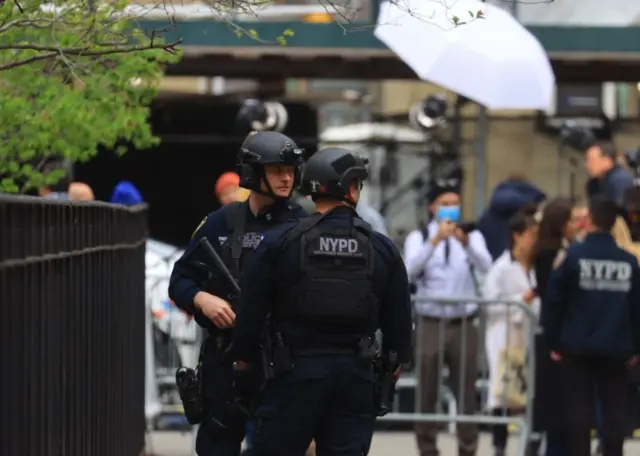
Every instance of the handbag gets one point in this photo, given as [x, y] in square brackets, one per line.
[511, 384]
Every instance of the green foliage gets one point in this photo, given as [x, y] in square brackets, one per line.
[253, 34]
[73, 78]
[472, 16]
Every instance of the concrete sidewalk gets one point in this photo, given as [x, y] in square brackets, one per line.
[384, 444]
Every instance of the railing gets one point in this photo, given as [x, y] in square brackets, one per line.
[72, 332]
[449, 368]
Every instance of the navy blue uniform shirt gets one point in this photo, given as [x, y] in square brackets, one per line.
[186, 280]
[593, 300]
[270, 269]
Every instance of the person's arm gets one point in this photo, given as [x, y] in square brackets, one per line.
[417, 252]
[496, 289]
[258, 289]
[193, 267]
[543, 268]
[395, 318]
[555, 301]
[479, 255]
[634, 306]
[618, 186]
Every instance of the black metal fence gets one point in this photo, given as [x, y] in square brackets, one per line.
[72, 328]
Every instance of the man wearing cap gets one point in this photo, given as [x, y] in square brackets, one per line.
[441, 259]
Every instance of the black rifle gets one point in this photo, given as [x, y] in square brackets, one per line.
[385, 369]
[189, 381]
[219, 265]
[266, 353]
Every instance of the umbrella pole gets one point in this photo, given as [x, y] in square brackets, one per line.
[481, 160]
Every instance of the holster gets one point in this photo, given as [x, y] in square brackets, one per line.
[385, 383]
[189, 383]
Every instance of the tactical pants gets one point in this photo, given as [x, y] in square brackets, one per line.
[447, 335]
[222, 430]
[326, 398]
[583, 376]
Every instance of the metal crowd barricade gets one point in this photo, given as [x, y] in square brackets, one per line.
[174, 337]
[519, 318]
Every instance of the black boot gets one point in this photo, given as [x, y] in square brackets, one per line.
[499, 451]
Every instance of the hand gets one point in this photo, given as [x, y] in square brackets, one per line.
[528, 296]
[631, 362]
[461, 236]
[555, 356]
[446, 228]
[215, 309]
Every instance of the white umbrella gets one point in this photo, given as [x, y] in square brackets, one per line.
[492, 60]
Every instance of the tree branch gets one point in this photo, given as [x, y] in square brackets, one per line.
[51, 52]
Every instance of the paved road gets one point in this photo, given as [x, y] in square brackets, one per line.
[384, 444]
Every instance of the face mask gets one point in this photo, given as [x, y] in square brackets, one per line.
[451, 213]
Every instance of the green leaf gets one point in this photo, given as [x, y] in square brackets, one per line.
[7, 185]
[456, 20]
[73, 104]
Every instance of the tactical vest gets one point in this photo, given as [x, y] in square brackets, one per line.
[238, 248]
[335, 295]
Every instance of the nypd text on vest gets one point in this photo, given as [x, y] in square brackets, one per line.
[605, 275]
[337, 246]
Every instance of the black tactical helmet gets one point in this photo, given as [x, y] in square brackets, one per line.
[329, 173]
[267, 148]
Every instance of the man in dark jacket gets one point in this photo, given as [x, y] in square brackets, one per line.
[608, 177]
[592, 313]
[508, 198]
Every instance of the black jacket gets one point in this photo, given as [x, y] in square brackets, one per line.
[592, 304]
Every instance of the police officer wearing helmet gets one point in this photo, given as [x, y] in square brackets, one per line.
[269, 165]
[326, 283]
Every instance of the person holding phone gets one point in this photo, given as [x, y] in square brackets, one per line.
[440, 260]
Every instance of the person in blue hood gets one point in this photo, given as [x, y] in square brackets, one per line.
[508, 198]
[126, 193]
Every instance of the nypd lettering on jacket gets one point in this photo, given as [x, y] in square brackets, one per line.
[250, 240]
[605, 275]
[337, 247]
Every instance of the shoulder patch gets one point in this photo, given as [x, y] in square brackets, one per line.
[560, 257]
[202, 223]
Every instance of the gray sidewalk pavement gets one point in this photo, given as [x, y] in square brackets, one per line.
[384, 444]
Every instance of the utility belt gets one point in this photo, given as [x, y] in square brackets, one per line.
[277, 357]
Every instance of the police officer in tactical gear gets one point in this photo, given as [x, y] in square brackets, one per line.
[325, 284]
[592, 326]
[269, 165]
